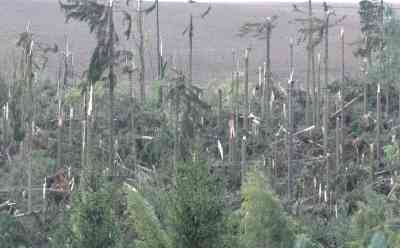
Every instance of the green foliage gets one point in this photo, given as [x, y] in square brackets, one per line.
[303, 241]
[231, 235]
[12, 233]
[264, 221]
[144, 222]
[370, 27]
[197, 207]
[92, 222]
[371, 224]
[392, 152]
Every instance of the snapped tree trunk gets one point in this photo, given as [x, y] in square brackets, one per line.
[245, 114]
[378, 129]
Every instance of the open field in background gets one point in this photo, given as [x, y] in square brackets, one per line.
[215, 37]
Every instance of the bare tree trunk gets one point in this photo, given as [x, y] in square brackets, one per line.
[89, 137]
[267, 89]
[112, 82]
[337, 137]
[191, 49]
[176, 155]
[314, 88]
[83, 181]
[159, 60]
[365, 97]
[308, 79]
[237, 113]
[378, 129]
[59, 124]
[132, 124]
[341, 100]
[291, 56]
[30, 121]
[289, 135]
[326, 109]
[141, 52]
[245, 113]
[5, 116]
[318, 101]
[219, 120]
[246, 93]
[290, 138]
[232, 136]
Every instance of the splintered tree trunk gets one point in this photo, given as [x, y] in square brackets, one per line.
[378, 129]
[245, 113]
[141, 51]
[291, 56]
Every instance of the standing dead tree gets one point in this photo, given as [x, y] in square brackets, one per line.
[33, 60]
[190, 31]
[311, 33]
[263, 30]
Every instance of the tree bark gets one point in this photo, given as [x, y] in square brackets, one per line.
[159, 60]
[326, 109]
[191, 49]
[141, 52]
[112, 82]
[308, 78]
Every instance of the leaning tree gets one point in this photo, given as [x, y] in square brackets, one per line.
[99, 15]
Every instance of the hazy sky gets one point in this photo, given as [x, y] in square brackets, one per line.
[292, 1]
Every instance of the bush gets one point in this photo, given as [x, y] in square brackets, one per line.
[197, 207]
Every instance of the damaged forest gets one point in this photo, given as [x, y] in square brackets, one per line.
[137, 148]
